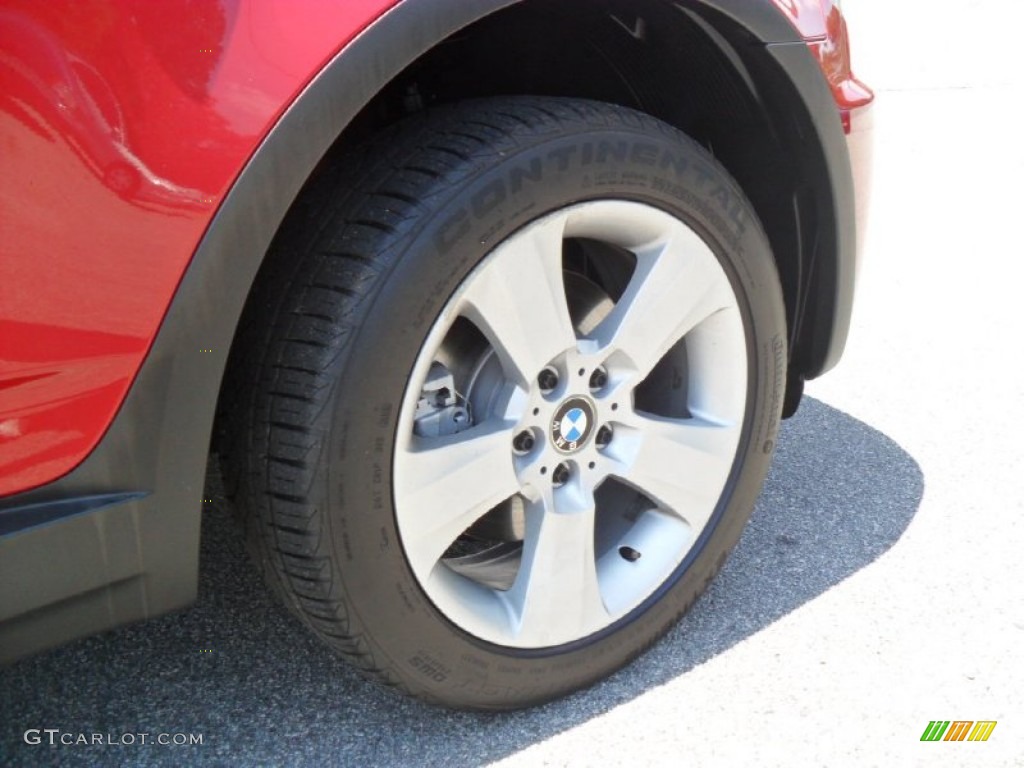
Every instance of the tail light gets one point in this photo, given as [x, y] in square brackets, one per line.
[821, 24]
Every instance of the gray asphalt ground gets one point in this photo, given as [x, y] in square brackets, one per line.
[880, 584]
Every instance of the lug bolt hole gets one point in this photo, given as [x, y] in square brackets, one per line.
[604, 436]
[630, 554]
[598, 379]
[560, 475]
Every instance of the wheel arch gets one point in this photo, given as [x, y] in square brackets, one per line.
[734, 75]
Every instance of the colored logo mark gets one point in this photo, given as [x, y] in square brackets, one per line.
[958, 730]
[574, 425]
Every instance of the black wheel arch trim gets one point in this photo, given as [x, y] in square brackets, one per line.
[829, 266]
[137, 556]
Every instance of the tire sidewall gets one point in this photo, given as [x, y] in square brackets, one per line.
[501, 192]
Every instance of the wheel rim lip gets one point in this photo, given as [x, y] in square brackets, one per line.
[604, 219]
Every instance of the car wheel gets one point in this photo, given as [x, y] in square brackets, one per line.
[513, 389]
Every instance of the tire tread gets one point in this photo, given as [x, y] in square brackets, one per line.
[331, 255]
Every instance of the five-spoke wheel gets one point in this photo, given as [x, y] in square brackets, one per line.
[586, 468]
[509, 388]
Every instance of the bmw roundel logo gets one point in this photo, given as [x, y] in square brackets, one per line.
[572, 424]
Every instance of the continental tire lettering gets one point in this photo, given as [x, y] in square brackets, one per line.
[534, 173]
[644, 154]
[452, 230]
[489, 198]
[720, 194]
[562, 157]
[702, 174]
[679, 164]
[730, 205]
[681, 193]
[496, 192]
[618, 151]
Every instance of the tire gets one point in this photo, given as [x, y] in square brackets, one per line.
[508, 391]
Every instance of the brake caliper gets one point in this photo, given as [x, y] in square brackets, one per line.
[438, 411]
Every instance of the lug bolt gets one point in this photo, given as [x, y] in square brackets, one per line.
[598, 379]
[560, 476]
[547, 379]
[603, 436]
[523, 442]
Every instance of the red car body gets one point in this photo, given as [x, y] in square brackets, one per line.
[122, 140]
[148, 152]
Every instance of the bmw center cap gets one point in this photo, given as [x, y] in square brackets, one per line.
[572, 425]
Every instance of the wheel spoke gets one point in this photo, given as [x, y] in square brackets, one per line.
[518, 301]
[677, 284]
[681, 464]
[556, 597]
[447, 484]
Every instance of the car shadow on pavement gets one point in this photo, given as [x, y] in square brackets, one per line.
[240, 671]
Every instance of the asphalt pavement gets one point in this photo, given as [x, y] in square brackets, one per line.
[238, 670]
[879, 586]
